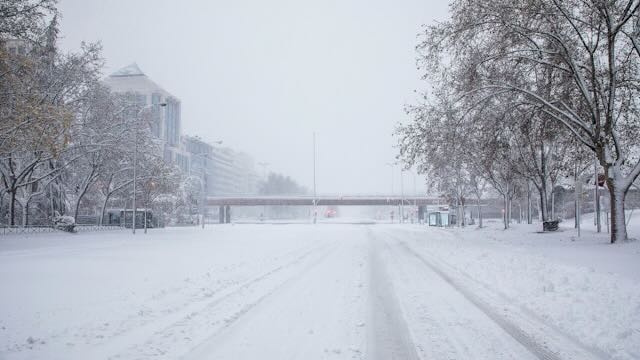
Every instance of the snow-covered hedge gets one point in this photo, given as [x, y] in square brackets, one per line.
[64, 223]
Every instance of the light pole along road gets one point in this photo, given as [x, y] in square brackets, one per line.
[264, 178]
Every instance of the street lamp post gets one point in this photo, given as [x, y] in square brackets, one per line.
[264, 178]
[135, 161]
[315, 198]
[401, 195]
[203, 190]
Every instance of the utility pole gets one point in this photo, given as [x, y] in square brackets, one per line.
[401, 194]
[264, 178]
[204, 189]
[315, 198]
[596, 198]
[578, 187]
[135, 166]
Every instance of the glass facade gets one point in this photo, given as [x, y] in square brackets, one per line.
[183, 162]
[172, 122]
[155, 115]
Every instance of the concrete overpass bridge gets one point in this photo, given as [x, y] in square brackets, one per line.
[226, 202]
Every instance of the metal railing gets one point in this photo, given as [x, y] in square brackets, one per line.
[82, 228]
[16, 229]
[30, 229]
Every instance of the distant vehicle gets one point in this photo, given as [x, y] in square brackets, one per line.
[330, 213]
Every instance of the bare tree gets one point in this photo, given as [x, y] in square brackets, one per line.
[24, 19]
[498, 46]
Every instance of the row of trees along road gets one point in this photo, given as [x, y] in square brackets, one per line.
[525, 92]
[66, 141]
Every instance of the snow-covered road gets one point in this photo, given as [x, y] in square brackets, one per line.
[266, 292]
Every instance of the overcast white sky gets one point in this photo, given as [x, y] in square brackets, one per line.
[264, 75]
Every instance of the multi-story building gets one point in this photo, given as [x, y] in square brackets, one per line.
[225, 179]
[165, 121]
[247, 178]
[224, 171]
[200, 163]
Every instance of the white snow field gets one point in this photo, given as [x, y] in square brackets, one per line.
[331, 291]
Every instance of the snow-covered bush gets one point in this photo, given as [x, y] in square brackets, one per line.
[64, 223]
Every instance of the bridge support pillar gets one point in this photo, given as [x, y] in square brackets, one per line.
[221, 217]
[421, 209]
[227, 214]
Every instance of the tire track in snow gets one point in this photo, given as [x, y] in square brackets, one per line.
[321, 314]
[138, 335]
[183, 335]
[541, 349]
[389, 335]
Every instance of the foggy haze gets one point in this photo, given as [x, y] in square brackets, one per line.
[163, 205]
[263, 76]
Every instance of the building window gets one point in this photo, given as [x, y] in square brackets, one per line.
[155, 115]
[172, 123]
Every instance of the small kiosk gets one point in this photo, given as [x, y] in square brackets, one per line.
[439, 217]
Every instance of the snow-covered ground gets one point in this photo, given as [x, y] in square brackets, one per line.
[302, 291]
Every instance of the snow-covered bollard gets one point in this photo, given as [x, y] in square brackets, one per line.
[64, 223]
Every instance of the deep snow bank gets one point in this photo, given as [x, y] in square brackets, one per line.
[584, 286]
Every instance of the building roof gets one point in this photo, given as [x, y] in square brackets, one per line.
[129, 70]
[131, 79]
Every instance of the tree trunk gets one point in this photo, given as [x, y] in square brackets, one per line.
[543, 204]
[519, 211]
[575, 209]
[576, 198]
[504, 211]
[51, 208]
[618, 226]
[510, 202]
[543, 183]
[12, 209]
[25, 213]
[529, 214]
[479, 214]
[104, 207]
[596, 197]
[89, 180]
[2, 210]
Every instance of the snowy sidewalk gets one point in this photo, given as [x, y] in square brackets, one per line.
[584, 288]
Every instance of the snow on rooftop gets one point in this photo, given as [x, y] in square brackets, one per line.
[131, 79]
[129, 70]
